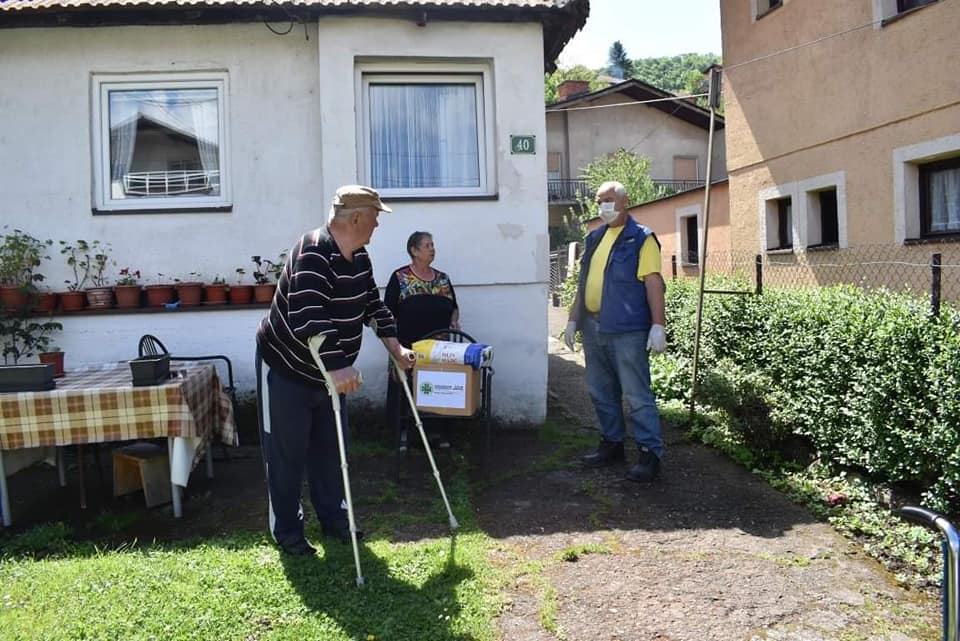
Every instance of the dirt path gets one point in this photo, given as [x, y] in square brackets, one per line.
[707, 553]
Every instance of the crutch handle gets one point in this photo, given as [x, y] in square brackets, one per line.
[314, 343]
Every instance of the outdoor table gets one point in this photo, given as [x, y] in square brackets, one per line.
[100, 404]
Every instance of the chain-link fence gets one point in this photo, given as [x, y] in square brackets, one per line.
[932, 274]
[558, 271]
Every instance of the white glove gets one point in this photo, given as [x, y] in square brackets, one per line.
[657, 339]
[569, 334]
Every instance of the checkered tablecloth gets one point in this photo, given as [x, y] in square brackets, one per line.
[101, 404]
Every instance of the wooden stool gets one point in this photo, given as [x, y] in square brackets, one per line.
[142, 465]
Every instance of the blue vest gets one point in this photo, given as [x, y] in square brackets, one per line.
[623, 306]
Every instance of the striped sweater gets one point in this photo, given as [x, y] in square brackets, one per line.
[320, 292]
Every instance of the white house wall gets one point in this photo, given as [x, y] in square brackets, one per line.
[292, 141]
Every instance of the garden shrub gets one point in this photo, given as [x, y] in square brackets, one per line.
[867, 378]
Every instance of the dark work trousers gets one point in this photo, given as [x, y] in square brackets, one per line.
[298, 432]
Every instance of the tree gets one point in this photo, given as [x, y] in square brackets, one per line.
[630, 170]
[673, 73]
[620, 65]
[552, 80]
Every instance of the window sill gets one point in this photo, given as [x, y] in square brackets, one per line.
[823, 248]
[217, 209]
[932, 240]
[420, 199]
[780, 250]
[904, 14]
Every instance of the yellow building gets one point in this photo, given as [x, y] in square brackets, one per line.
[843, 136]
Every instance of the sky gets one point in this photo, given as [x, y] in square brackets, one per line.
[646, 28]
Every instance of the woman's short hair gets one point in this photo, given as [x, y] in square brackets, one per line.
[415, 239]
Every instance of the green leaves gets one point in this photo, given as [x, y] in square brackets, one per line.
[867, 379]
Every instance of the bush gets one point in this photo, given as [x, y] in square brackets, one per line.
[865, 377]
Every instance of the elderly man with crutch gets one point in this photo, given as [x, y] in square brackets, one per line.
[306, 348]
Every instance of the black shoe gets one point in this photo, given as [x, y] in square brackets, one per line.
[647, 467]
[608, 453]
[340, 531]
[298, 548]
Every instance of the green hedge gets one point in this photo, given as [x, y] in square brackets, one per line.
[865, 378]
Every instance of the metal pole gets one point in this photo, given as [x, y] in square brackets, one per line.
[759, 263]
[935, 273]
[714, 103]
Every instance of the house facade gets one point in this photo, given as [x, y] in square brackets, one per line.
[678, 221]
[190, 138]
[583, 126]
[840, 133]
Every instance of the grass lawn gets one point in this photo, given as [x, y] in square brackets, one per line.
[55, 585]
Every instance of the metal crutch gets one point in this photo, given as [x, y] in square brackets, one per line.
[426, 443]
[951, 565]
[314, 345]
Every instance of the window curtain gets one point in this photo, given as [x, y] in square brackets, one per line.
[123, 117]
[424, 136]
[945, 201]
[207, 131]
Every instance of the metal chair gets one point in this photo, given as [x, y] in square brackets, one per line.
[482, 413]
[150, 345]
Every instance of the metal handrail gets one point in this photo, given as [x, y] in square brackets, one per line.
[951, 568]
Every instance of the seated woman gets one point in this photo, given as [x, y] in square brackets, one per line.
[422, 301]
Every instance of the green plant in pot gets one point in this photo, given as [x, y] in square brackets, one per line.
[22, 336]
[216, 292]
[87, 261]
[100, 296]
[20, 256]
[265, 275]
[127, 289]
[190, 291]
[241, 294]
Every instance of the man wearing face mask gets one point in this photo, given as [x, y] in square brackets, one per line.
[619, 308]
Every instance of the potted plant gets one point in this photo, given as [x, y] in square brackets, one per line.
[100, 296]
[20, 255]
[160, 293]
[22, 336]
[263, 273]
[216, 292]
[53, 356]
[240, 294]
[190, 292]
[127, 288]
[73, 299]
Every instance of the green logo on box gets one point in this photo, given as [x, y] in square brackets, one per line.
[426, 388]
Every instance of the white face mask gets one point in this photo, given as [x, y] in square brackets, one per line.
[608, 212]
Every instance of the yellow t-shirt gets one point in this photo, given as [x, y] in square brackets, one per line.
[649, 263]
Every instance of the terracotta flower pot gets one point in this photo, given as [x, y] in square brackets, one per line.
[55, 359]
[241, 294]
[46, 303]
[127, 296]
[190, 294]
[100, 297]
[13, 298]
[264, 293]
[215, 294]
[72, 301]
[159, 295]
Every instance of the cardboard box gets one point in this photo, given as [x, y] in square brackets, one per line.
[445, 388]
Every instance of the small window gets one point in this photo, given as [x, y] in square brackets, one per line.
[426, 135]
[907, 5]
[691, 241]
[780, 224]
[766, 6]
[160, 141]
[940, 198]
[823, 228]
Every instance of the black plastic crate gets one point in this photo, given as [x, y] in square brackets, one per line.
[26, 378]
[150, 370]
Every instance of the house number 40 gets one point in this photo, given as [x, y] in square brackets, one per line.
[523, 144]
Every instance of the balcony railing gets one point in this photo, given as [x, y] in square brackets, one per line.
[565, 190]
[664, 188]
[170, 183]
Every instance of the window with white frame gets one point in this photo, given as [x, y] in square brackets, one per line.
[822, 211]
[778, 225]
[887, 9]
[688, 233]
[427, 134]
[926, 189]
[763, 7]
[160, 141]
